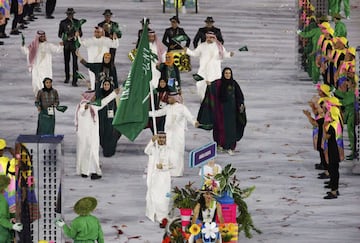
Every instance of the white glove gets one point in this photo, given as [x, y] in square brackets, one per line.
[298, 31]
[60, 223]
[242, 108]
[17, 227]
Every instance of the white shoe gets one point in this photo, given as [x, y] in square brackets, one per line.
[231, 152]
[220, 149]
[356, 169]
[348, 17]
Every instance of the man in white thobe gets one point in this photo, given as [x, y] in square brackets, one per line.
[211, 54]
[177, 115]
[87, 133]
[158, 178]
[39, 58]
[157, 48]
[96, 47]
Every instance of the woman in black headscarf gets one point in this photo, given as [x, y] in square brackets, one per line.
[46, 101]
[101, 70]
[223, 110]
[108, 135]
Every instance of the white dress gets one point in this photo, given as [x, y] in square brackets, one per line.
[209, 64]
[158, 182]
[88, 142]
[42, 67]
[175, 125]
[96, 48]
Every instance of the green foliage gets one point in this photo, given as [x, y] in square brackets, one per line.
[185, 197]
[230, 184]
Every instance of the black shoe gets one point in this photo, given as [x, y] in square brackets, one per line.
[3, 35]
[84, 176]
[327, 186]
[95, 176]
[50, 17]
[1, 43]
[337, 193]
[319, 167]
[330, 196]
[15, 32]
[22, 26]
[326, 182]
[66, 81]
[74, 84]
[323, 176]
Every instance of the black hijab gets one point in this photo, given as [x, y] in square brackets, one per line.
[104, 92]
[45, 89]
[225, 83]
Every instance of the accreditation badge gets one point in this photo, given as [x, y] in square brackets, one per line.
[110, 113]
[50, 111]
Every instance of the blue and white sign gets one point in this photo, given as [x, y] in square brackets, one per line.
[202, 155]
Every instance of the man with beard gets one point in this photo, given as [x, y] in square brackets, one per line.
[111, 29]
[211, 54]
[39, 57]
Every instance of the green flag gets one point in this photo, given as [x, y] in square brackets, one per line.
[180, 38]
[244, 48]
[133, 112]
[22, 40]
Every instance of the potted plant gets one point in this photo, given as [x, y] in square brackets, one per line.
[185, 197]
[229, 186]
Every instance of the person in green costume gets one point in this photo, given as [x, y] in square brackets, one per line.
[340, 27]
[314, 35]
[85, 228]
[6, 224]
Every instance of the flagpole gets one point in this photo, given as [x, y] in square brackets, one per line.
[153, 107]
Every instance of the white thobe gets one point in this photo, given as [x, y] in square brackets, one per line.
[42, 67]
[158, 182]
[96, 48]
[88, 142]
[155, 72]
[209, 64]
[175, 125]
